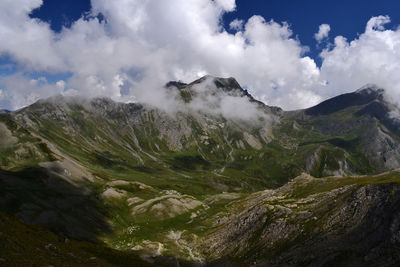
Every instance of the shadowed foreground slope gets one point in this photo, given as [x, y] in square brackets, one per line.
[23, 244]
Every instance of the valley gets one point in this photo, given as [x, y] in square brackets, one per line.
[202, 182]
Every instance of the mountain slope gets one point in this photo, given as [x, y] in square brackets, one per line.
[28, 245]
[360, 124]
[363, 96]
[136, 177]
[313, 222]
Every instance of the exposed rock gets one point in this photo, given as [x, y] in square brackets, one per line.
[6, 137]
[252, 141]
[167, 206]
[361, 222]
[111, 193]
[134, 200]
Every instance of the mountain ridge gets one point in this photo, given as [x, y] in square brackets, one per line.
[160, 183]
[361, 96]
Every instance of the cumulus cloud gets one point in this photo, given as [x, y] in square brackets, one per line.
[144, 44]
[371, 58]
[24, 90]
[228, 5]
[323, 32]
[207, 98]
[60, 84]
[236, 24]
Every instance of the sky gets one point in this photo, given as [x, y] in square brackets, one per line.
[288, 53]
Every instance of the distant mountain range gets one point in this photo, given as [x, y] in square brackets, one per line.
[221, 178]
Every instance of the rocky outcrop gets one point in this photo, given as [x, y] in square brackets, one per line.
[357, 224]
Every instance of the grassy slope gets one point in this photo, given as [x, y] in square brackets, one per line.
[108, 149]
[24, 149]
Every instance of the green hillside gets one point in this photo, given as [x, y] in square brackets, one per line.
[198, 183]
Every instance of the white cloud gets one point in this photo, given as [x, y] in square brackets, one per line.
[21, 91]
[373, 57]
[377, 23]
[29, 41]
[147, 43]
[236, 24]
[211, 100]
[61, 84]
[323, 32]
[144, 44]
[227, 5]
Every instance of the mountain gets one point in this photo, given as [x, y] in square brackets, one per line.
[216, 86]
[361, 125]
[215, 175]
[320, 222]
[362, 96]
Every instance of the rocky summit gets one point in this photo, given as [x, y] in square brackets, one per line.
[214, 178]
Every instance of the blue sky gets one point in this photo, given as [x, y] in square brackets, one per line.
[53, 46]
[346, 17]
[61, 12]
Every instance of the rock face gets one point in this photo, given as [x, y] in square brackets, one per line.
[353, 224]
[205, 180]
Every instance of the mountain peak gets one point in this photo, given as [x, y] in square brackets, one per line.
[217, 85]
[362, 96]
[369, 89]
[177, 84]
[227, 85]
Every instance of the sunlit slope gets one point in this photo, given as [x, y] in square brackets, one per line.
[323, 222]
[155, 180]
